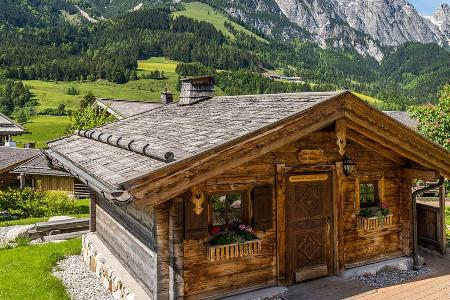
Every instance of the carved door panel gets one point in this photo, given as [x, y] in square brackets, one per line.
[308, 219]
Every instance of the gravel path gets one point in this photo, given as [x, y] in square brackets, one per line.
[389, 276]
[79, 281]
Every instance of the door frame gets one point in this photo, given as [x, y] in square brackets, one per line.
[282, 171]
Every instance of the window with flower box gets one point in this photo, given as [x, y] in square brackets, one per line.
[227, 211]
[373, 212]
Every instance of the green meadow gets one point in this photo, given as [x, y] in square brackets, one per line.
[41, 129]
[203, 12]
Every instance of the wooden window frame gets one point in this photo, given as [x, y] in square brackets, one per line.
[244, 207]
[376, 193]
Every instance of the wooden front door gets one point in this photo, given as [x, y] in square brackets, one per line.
[309, 229]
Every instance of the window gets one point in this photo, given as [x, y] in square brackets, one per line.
[226, 210]
[368, 194]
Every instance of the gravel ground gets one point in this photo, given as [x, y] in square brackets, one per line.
[390, 276]
[80, 283]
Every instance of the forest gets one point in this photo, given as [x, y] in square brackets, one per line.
[109, 50]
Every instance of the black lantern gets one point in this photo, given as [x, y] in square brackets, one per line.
[349, 165]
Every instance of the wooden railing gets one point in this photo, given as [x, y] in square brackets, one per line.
[222, 252]
[373, 223]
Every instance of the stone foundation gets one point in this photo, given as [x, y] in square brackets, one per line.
[110, 271]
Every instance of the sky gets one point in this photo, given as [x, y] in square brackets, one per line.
[427, 7]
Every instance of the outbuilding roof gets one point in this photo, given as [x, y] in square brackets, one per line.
[404, 118]
[12, 157]
[9, 127]
[39, 165]
[125, 108]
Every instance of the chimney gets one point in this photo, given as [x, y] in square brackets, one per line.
[166, 97]
[196, 89]
[29, 145]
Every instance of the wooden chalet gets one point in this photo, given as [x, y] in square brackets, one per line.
[8, 129]
[39, 173]
[10, 158]
[175, 189]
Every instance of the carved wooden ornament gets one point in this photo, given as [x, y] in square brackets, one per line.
[341, 135]
[197, 198]
[311, 156]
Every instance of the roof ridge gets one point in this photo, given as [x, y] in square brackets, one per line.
[140, 147]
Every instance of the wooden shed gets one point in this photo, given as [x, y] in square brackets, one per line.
[235, 193]
[38, 173]
[10, 158]
[8, 128]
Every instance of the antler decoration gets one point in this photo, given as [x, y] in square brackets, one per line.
[341, 135]
[197, 198]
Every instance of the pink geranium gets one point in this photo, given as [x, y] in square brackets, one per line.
[385, 205]
[215, 230]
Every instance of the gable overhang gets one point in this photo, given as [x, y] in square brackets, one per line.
[377, 129]
[389, 133]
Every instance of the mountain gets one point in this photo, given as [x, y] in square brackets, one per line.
[368, 26]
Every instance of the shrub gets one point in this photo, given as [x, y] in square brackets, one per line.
[29, 203]
[73, 91]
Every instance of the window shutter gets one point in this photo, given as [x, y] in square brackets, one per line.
[262, 207]
[195, 226]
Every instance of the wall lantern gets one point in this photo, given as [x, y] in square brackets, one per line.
[349, 165]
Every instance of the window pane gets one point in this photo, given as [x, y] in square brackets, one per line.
[362, 188]
[369, 188]
[226, 210]
[218, 210]
[234, 210]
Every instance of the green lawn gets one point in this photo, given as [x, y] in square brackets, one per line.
[26, 271]
[203, 12]
[43, 129]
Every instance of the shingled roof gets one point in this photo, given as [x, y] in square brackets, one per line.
[12, 157]
[183, 130]
[125, 108]
[8, 127]
[39, 165]
[404, 118]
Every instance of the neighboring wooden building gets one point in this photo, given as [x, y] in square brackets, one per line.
[40, 174]
[299, 168]
[8, 129]
[11, 158]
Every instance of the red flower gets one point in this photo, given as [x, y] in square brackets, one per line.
[385, 205]
[215, 230]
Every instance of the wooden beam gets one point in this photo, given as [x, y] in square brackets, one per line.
[442, 225]
[375, 147]
[426, 175]
[341, 135]
[281, 222]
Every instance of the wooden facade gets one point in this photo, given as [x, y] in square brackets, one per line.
[290, 182]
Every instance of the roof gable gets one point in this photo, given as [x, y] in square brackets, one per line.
[12, 157]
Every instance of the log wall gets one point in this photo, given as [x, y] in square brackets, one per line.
[129, 234]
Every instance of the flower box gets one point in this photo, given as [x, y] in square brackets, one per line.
[222, 252]
[373, 222]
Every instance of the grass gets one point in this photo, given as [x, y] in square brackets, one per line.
[26, 271]
[83, 212]
[43, 129]
[203, 12]
[50, 94]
